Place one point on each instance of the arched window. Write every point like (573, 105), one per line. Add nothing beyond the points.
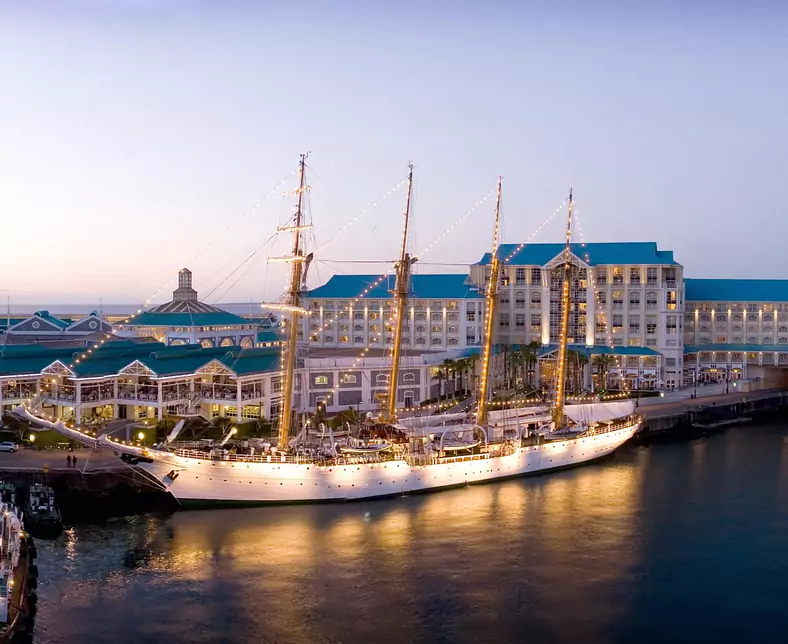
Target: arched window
(382, 378)
(226, 342)
(321, 380)
(408, 377)
(349, 379)
(246, 343)
(207, 343)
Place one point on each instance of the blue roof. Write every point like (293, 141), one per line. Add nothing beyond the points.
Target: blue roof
(593, 254)
(602, 350)
(440, 286)
(748, 348)
(736, 290)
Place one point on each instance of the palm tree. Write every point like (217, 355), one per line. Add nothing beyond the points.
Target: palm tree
(576, 360)
(528, 355)
(602, 363)
(440, 376)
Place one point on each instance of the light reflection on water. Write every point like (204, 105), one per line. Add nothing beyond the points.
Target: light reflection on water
(627, 549)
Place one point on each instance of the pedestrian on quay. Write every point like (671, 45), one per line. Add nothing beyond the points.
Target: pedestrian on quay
(68, 460)
(74, 461)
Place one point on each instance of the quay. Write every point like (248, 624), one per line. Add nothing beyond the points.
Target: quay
(682, 415)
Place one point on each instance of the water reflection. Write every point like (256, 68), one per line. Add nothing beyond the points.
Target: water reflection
(552, 558)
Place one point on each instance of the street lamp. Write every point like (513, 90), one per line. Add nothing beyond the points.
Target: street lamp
(141, 435)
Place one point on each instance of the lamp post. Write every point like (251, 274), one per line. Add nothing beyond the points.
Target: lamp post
(695, 383)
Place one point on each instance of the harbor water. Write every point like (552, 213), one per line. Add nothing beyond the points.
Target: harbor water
(681, 541)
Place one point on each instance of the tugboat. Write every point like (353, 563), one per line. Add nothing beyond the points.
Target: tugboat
(42, 515)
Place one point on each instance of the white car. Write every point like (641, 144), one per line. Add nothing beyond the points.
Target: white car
(8, 446)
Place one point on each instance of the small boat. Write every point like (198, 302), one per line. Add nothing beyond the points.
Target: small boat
(7, 492)
(42, 515)
(18, 573)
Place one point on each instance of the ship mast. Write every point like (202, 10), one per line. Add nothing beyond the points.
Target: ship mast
(294, 296)
(558, 409)
(492, 295)
(401, 297)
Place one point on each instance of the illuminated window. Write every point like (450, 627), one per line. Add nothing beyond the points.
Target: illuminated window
(321, 380)
(349, 379)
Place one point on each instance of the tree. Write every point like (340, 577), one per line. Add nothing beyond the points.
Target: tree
(602, 363)
(528, 355)
(450, 367)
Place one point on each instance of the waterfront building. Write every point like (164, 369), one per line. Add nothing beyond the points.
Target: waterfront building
(44, 328)
(134, 380)
(628, 295)
(186, 320)
(734, 329)
(445, 312)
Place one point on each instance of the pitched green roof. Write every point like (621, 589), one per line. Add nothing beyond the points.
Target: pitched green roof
(269, 336)
(152, 318)
(603, 350)
(596, 253)
(246, 361)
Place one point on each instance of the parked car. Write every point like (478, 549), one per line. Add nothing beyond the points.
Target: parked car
(8, 446)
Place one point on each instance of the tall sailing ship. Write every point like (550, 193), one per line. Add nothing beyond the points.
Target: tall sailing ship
(390, 456)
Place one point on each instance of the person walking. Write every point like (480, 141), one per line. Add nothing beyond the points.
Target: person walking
(74, 461)
(68, 460)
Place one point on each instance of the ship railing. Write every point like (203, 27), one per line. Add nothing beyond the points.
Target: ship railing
(280, 458)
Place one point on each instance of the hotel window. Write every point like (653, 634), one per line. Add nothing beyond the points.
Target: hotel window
(519, 276)
(452, 329)
(382, 378)
(470, 336)
(321, 380)
(436, 340)
(420, 340)
(344, 327)
(504, 320)
(504, 278)
(519, 299)
(634, 300)
(374, 315)
(437, 317)
(651, 342)
(670, 325)
(736, 318)
(389, 340)
(375, 340)
(437, 304)
(601, 276)
(634, 324)
(752, 308)
(453, 317)
(752, 327)
(736, 339)
(767, 339)
(436, 328)
(783, 329)
(651, 275)
(651, 324)
(752, 339)
(536, 321)
(672, 300)
(736, 328)
(503, 298)
(721, 318)
(374, 327)
(344, 338)
(618, 322)
(405, 340)
(519, 321)
(705, 340)
(328, 304)
(536, 297)
(421, 329)
(782, 341)
(452, 305)
(328, 338)
(358, 327)
(358, 315)
(720, 339)
(387, 304)
(651, 300)
(348, 379)
(618, 275)
(358, 339)
(408, 377)
(601, 298)
(752, 317)
(601, 325)
(470, 316)
(634, 275)
(618, 300)
(536, 276)
(633, 342)
(453, 341)
(405, 328)
(421, 317)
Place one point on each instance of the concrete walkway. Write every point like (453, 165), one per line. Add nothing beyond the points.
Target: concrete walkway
(29, 460)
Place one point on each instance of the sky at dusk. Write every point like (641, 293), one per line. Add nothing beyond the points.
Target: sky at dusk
(136, 134)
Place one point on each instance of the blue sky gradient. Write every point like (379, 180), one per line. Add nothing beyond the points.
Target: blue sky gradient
(134, 133)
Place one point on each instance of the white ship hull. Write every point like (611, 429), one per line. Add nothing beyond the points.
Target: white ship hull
(206, 482)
